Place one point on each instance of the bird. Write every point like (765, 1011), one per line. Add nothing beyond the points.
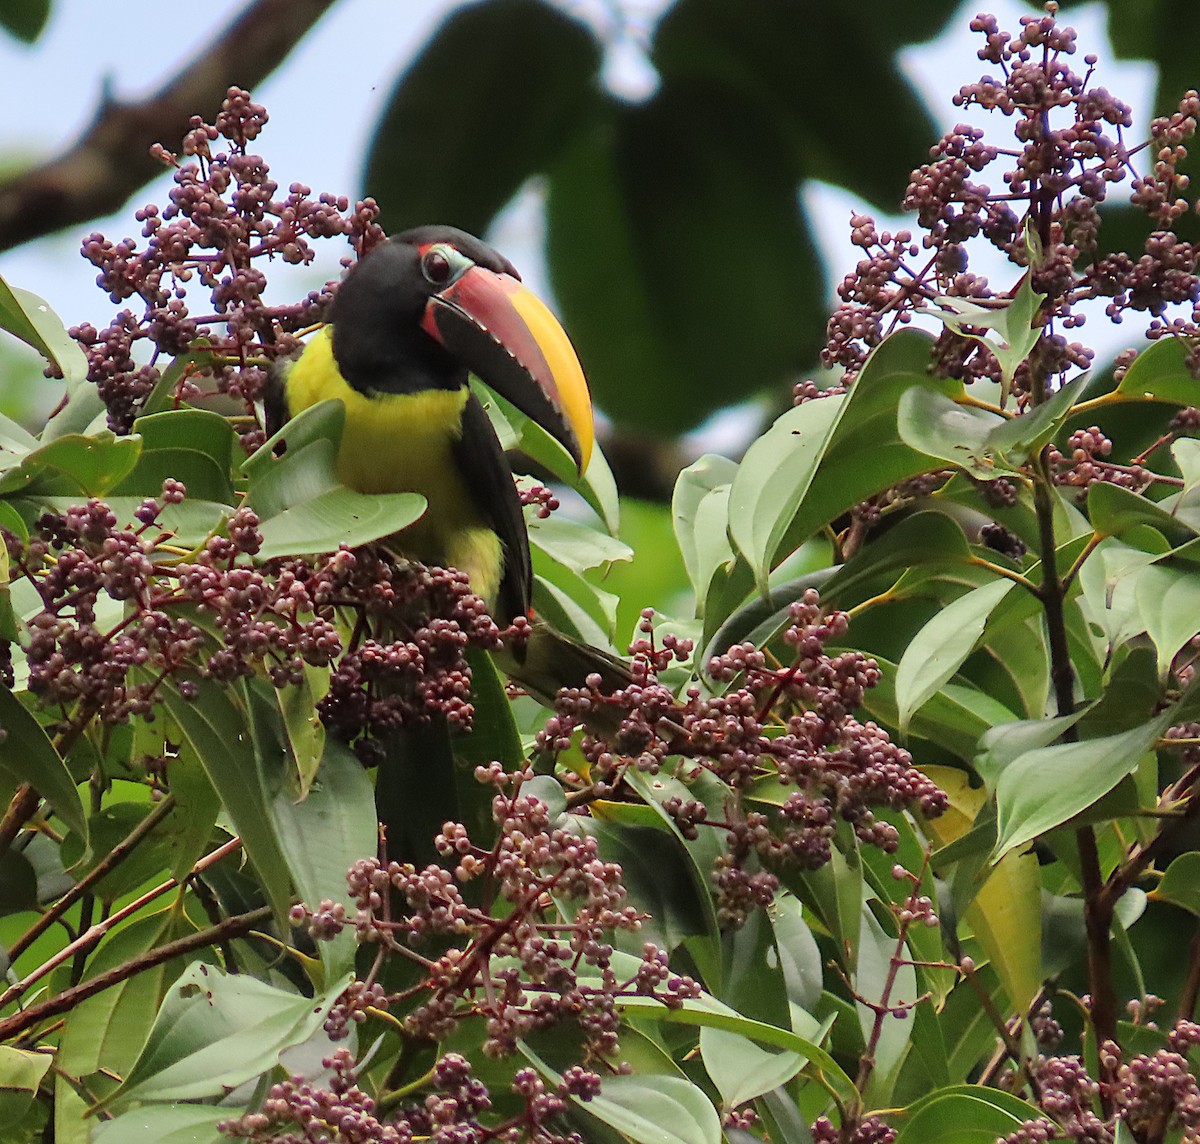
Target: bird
(410, 322)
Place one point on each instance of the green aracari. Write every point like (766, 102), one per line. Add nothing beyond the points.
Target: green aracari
(409, 323)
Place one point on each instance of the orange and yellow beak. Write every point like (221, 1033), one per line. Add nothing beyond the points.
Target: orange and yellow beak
(508, 337)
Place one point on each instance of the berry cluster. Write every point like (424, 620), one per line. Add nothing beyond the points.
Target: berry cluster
(407, 663)
(539, 496)
(222, 617)
(1070, 151)
(225, 218)
(870, 1130)
(1151, 1096)
(80, 658)
(297, 1111)
(521, 966)
(1087, 463)
(793, 724)
(307, 1111)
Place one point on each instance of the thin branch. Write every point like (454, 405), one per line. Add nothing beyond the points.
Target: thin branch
(21, 809)
(69, 998)
(112, 859)
(111, 158)
(93, 934)
(1191, 983)
(1006, 1031)
(1005, 573)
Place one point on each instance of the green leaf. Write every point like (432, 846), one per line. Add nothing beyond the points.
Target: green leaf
(28, 317)
(657, 874)
(197, 806)
(1108, 580)
(968, 1031)
(835, 894)
(967, 1115)
(1021, 652)
(15, 442)
(1180, 885)
(199, 430)
(18, 883)
(1005, 743)
(922, 539)
(752, 979)
(1113, 511)
(867, 454)
(598, 487)
(707, 1012)
(760, 619)
(496, 92)
(203, 478)
(1003, 905)
(217, 1030)
(335, 517)
(573, 606)
(301, 724)
(700, 512)
(73, 465)
(702, 851)
(799, 954)
(782, 1119)
(757, 52)
(589, 611)
(166, 1124)
(28, 756)
(940, 647)
(109, 1029)
(577, 546)
(324, 834)
(84, 413)
(1160, 373)
(21, 1073)
(648, 1110)
(741, 1070)
(1020, 438)
(774, 477)
(1168, 601)
(216, 726)
(303, 508)
(106, 829)
(1009, 330)
(933, 424)
(954, 717)
(522, 436)
(1047, 786)
(1185, 452)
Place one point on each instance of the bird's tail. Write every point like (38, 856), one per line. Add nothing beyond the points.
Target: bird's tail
(550, 660)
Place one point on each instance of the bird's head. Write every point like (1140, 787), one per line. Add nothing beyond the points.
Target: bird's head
(426, 307)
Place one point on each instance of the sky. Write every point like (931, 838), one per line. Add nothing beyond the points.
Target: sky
(130, 48)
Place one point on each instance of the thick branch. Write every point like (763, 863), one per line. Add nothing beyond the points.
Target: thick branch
(111, 159)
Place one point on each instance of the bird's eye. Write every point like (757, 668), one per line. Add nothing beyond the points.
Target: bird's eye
(437, 266)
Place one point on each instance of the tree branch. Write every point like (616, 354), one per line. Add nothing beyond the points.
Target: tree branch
(69, 998)
(111, 159)
(109, 862)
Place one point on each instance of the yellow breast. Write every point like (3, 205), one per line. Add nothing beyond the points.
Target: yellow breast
(403, 442)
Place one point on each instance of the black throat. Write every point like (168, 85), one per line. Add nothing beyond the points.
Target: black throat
(376, 316)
